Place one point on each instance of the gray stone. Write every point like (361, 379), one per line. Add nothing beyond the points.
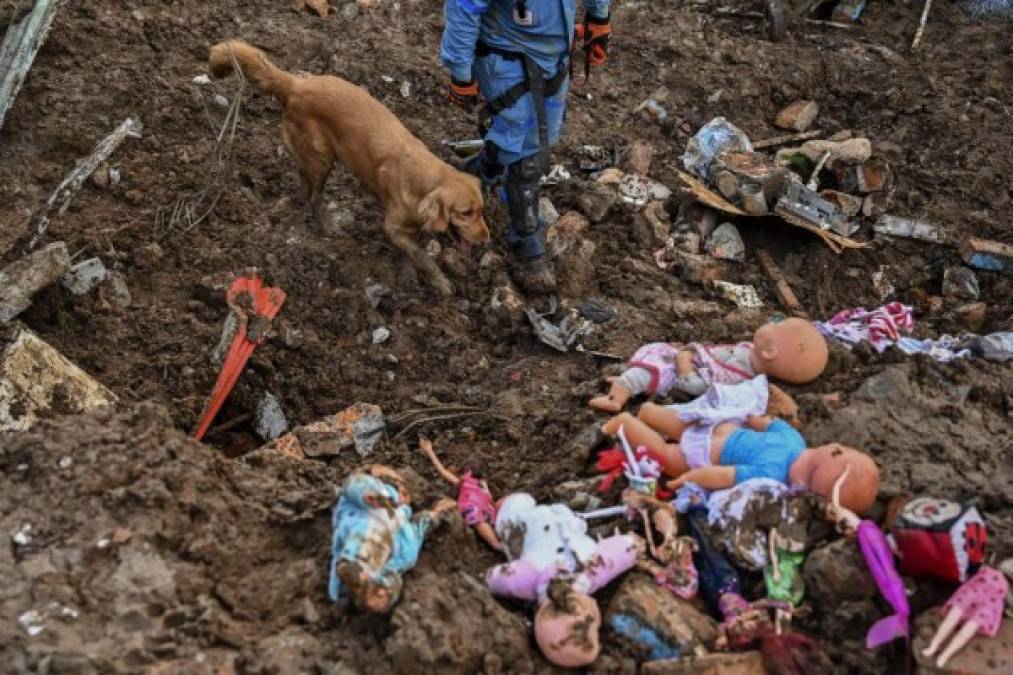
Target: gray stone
(837, 573)
(115, 292)
(84, 276)
(269, 421)
(961, 283)
(381, 335)
(547, 213)
(25, 277)
(595, 203)
(889, 386)
(725, 243)
(656, 624)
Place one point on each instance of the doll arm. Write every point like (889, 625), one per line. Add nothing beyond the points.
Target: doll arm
(684, 362)
(426, 446)
(759, 422)
(707, 477)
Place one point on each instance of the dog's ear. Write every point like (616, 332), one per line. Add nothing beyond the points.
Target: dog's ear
(432, 212)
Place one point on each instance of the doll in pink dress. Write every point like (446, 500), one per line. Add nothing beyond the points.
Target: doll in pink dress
(978, 604)
(474, 500)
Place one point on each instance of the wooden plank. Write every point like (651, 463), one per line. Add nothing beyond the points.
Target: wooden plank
(21, 43)
(707, 197)
(782, 289)
(987, 255)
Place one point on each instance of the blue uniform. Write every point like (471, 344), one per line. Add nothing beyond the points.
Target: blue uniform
(547, 40)
(763, 454)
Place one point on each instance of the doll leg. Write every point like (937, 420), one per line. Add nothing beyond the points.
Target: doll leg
(614, 401)
(958, 642)
(639, 433)
(943, 632)
(663, 419)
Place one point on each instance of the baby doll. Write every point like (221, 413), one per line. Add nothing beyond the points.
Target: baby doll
(474, 501)
(553, 561)
(792, 350)
(718, 456)
(375, 539)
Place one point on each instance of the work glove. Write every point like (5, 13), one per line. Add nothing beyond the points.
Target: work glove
(595, 35)
(463, 94)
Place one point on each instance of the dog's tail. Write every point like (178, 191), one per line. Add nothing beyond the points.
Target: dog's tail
(255, 65)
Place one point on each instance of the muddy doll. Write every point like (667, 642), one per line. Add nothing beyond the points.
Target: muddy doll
(553, 562)
(791, 351)
(717, 454)
(676, 572)
(976, 607)
(474, 500)
(375, 538)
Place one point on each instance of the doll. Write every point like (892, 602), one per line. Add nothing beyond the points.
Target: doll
(375, 538)
(474, 500)
(553, 562)
(717, 454)
(791, 350)
(676, 572)
(978, 604)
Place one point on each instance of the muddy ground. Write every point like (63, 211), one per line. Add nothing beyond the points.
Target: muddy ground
(226, 558)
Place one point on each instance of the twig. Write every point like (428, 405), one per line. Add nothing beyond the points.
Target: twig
(921, 24)
(21, 43)
(831, 24)
(782, 289)
(790, 138)
(732, 11)
(434, 409)
(65, 191)
(814, 178)
(438, 418)
(225, 426)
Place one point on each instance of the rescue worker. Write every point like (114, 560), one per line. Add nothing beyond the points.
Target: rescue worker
(516, 54)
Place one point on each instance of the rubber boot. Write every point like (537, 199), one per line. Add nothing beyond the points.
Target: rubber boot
(530, 269)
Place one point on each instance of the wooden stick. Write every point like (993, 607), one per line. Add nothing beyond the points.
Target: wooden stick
(781, 287)
(814, 178)
(921, 24)
(65, 191)
(790, 138)
(831, 24)
(20, 45)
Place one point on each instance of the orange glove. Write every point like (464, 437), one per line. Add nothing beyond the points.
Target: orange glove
(595, 33)
(463, 94)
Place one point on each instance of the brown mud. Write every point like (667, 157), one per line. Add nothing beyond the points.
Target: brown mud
(225, 560)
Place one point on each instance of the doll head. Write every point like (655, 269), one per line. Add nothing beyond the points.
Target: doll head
(791, 351)
(474, 466)
(567, 625)
(817, 470)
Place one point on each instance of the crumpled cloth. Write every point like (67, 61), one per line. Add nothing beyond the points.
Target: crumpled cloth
(720, 403)
(943, 349)
(881, 327)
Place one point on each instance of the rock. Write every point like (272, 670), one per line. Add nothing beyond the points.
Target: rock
(638, 158)
(686, 240)
(982, 656)
(744, 297)
(799, 116)
(891, 386)
(836, 573)
(973, 315)
(749, 170)
(881, 283)
(350, 11)
(269, 421)
(725, 243)
(703, 218)
(36, 381)
(851, 151)
(849, 205)
(25, 277)
(547, 213)
(595, 204)
(657, 218)
(84, 276)
(433, 248)
(873, 176)
(727, 184)
(698, 269)
(376, 292)
(746, 663)
(115, 294)
(695, 309)
(381, 335)
(610, 176)
(507, 302)
(565, 233)
(658, 625)
(450, 624)
(960, 283)
(360, 426)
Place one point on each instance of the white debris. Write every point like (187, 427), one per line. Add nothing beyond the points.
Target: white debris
(202, 80)
(221, 101)
(381, 335)
(65, 462)
(745, 297)
(32, 622)
(557, 174)
(406, 89)
(84, 276)
(22, 537)
(270, 421)
(387, 78)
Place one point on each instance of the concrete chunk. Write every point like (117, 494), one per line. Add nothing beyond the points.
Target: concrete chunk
(23, 278)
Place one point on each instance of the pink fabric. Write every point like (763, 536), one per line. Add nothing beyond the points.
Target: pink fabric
(474, 501)
(715, 372)
(661, 356)
(522, 580)
(981, 598)
(882, 326)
